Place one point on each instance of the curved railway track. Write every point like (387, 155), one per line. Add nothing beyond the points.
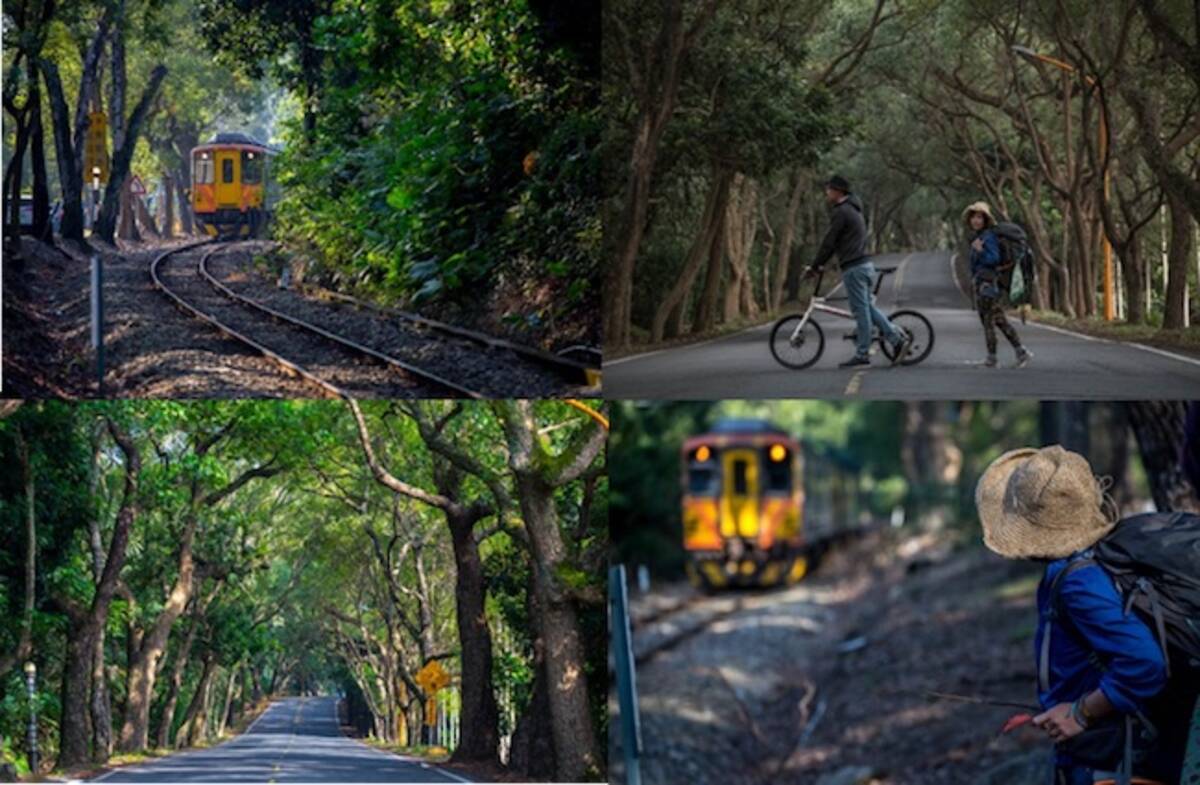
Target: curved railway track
(340, 356)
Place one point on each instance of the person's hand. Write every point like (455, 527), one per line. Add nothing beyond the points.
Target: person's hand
(977, 244)
(1058, 723)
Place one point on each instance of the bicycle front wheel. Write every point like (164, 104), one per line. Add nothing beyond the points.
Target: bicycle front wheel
(916, 325)
(796, 348)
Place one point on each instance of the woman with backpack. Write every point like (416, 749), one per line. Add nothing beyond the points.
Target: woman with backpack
(986, 279)
(1101, 669)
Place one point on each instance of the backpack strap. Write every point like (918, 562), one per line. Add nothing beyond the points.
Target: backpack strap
(1053, 613)
(1143, 585)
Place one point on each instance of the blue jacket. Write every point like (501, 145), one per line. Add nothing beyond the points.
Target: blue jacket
(989, 257)
(1131, 667)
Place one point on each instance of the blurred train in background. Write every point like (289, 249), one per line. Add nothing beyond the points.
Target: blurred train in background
(743, 505)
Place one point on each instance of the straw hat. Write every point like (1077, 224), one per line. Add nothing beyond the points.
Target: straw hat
(979, 207)
(1041, 504)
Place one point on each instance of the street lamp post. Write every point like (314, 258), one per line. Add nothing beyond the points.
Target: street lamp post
(31, 686)
(1029, 54)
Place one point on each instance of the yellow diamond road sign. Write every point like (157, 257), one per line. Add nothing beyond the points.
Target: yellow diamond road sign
(95, 149)
(432, 678)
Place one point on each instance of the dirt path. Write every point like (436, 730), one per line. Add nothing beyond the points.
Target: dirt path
(856, 646)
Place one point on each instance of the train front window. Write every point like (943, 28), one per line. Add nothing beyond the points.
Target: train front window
(702, 481)
(740, 485)
(779, 469)
(252, 167)
(227, 170)
(202, 168)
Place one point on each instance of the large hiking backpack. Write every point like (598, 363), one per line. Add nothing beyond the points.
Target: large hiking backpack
(1154, 560)
(1016, 262)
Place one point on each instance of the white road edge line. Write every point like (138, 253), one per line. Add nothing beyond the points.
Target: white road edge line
(438, 769)
(1097, 339)
(1094, 338)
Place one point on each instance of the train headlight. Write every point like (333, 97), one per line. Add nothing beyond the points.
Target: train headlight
(703, 453)
(778, 452)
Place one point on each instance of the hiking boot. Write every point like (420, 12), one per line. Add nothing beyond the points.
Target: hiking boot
(990, 362)
(1023, 357)
(903, 347)
(855, 362)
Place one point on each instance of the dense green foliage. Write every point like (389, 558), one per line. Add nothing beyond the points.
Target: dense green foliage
(443, 154)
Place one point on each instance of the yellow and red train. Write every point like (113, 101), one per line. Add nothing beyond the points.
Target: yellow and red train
(231, 186)
(743, 502)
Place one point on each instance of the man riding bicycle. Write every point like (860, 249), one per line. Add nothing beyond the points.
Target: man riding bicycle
(847, 236)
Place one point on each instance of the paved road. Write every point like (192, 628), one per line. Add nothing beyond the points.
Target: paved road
(295, 740)
(1065, 365)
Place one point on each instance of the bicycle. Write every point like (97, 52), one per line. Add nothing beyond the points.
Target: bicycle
(795, 334)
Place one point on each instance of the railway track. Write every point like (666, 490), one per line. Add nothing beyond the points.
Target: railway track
(343, 357)
(690, 614)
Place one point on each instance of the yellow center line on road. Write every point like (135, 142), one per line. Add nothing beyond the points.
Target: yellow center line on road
(854, 383)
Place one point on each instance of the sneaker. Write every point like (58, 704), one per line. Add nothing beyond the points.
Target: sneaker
(990, 362)
(1023, 357)
(855, 362)
(903, 347)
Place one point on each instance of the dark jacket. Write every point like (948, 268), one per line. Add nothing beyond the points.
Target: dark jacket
(987, 259)
(847, 235)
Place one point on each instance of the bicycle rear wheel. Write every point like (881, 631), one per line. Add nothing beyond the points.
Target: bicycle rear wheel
(796, 351)
(916, 325)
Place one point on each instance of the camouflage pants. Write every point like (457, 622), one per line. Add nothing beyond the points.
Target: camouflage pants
(991, 313)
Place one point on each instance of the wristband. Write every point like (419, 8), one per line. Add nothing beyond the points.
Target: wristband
(1079, 714)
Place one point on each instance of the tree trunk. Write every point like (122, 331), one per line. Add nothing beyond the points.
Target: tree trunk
(178, 668)
(1159, 428)
(787, 235)
(480, 717)
(75, 730)
(1135, 278)
(706, 315)
(230, 694)
(668, 316)
(1180, 261)
(532, 752)
(576, 754)
(106, 224)
(632, 223)
(741, 229)
(75, 733)
(196, 716)
(143, 670)
(37, 140)
(69, 177)
(101, 705)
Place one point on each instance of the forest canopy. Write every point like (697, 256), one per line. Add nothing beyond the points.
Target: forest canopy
(726, 116)
(169, 567)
